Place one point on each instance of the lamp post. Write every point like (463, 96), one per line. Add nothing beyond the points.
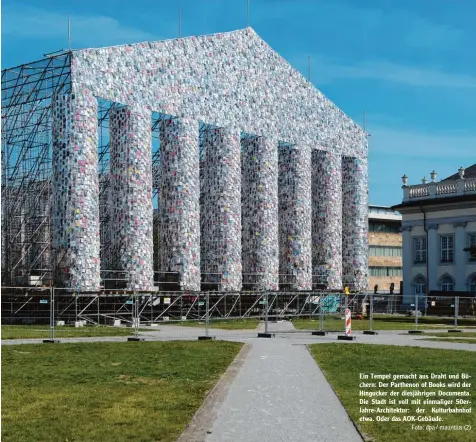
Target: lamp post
(207, 319)
(266, 333)
(135, 318)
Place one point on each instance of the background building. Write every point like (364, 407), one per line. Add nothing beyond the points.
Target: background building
(385, 249)
(439, 223)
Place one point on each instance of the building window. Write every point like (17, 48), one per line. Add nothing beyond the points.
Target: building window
(446, 246)
(472, 245)
(394, 271)
(419, 250)
(385, 271)
(420, 285)
(385, 251)
(472, 283)
(447, 283)
(375, 226)
(378, 271)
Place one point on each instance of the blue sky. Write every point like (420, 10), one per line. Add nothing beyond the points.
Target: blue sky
(411, 65)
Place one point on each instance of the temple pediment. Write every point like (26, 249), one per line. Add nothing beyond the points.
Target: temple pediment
(230, 79)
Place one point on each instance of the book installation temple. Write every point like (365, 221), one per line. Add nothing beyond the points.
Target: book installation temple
(260, 179)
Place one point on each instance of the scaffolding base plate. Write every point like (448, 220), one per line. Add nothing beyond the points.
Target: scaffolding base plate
(345, 338)
(415, 332)
(265, 335)
(454, 330)
(319, 333)
(135, 339)
(50, 341)
(370, 332)
(205, 338)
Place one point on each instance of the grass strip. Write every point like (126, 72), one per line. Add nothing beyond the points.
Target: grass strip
(43, 331)
(453, 335)
(380, 322)
(460, 341)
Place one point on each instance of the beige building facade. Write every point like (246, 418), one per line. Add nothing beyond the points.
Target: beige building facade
(385, 249)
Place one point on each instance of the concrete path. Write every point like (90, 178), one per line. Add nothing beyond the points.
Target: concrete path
(280, 394)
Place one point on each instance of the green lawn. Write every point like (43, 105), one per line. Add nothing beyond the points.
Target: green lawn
(342, 365)
(43, 331)
(224, 324)
(381, 322)
(461, 337)
(104, 392)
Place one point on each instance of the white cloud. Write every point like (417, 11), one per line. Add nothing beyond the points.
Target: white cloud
(414, 76)
(410, 144)
(326, 70)
(396, 151)
(426, 34)
(23, 21)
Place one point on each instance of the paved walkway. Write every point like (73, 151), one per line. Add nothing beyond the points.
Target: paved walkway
(279, 393)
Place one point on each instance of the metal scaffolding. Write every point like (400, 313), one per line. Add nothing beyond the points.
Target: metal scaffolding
(27, 92)
(26, 170)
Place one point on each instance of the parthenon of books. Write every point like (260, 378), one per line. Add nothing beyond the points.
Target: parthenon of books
(209, 157)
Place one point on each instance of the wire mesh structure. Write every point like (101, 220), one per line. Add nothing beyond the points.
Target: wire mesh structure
(27, 93)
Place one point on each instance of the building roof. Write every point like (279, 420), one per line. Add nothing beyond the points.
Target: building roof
(469, 172)
(435, 201)
(384, 213)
